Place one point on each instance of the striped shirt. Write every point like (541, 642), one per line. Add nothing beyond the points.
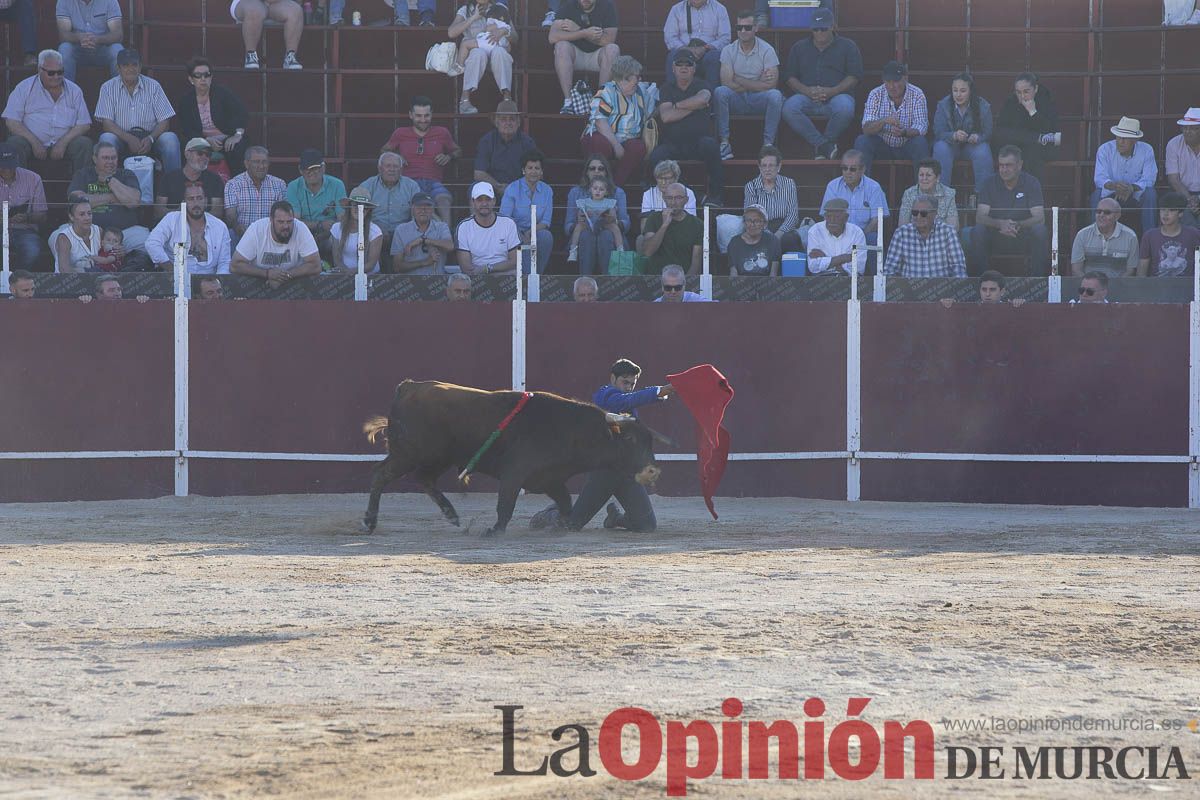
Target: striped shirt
(145, 108)
(780, 203)
(709, 23)
(250, 202)
(940, 255)
(912, 112)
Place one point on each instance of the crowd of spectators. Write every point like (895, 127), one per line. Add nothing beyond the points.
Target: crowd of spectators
(241, 218)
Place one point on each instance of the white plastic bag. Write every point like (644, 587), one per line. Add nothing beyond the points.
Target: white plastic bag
(143, 168)
(440, 57)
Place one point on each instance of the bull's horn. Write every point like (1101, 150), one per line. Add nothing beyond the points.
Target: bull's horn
(660, 438)
(618, 419)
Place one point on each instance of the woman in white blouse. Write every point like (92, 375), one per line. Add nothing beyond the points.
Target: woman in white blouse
(76, 243)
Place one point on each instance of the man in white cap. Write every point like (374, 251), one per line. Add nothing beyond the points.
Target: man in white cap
(1183, 164)
(487, 243)
(1126, 171)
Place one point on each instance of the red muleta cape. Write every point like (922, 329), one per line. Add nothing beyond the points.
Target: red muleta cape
(706, 393)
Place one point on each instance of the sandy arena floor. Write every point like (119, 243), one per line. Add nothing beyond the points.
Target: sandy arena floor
(251, 647)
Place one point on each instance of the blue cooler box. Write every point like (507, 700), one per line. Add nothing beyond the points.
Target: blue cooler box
(794, 265)
(792, 13)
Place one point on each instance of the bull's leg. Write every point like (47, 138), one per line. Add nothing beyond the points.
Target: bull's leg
(562, 499)
(506, 501)
(428, 478)
(385, 472)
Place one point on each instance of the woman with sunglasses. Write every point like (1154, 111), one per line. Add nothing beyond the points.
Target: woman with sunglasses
(596, 244)
(212, 112)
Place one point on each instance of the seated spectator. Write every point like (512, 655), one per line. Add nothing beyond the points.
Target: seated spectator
(756, 251)
(458, 288)
(47, 117)
(1183, 164)
(251, 14)
(495, 34)
(1010, 217)
(516, 204)
(421, 245)
(749, 83)
(135, 113)
(1093, 289)
(822, 71)
(702, 30)
(597, 240)
(1106, 246)
(925, 247)
(673, 290)
(863, 195)
(895, 120)
(1126, 170)
(114, 194)
(992, 290)
(317, 199)
(666, 172)
(112, 251)
(210, 111)
(108, 287)
(776, 194)
(498, 156)
(195, 170)
(426, 149)
(470, 21)
(400, 13)
(672, 236)
(21, 285)
(832, 243)
(89, 34)
(76, 243)
(1029, 121)
(614, 129)
(206, 237)
(345, 236)
(584, 37)
(928, 173)
(392, 193)
(1170, 249)
(276, 249)
(249, 196)
(26, 198)
(211, 288)
(21, 12)
(962, 128)
(487, 243)
(685, 132)
(585, 289)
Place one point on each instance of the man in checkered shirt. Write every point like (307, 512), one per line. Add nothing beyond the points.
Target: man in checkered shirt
(895, 120)
(925, 247)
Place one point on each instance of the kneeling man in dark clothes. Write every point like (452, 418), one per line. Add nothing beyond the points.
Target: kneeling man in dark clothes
(620, 396)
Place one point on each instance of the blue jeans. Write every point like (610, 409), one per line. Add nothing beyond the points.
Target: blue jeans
(980, 156)
(839, 111)
(552, 5)
(708, 69)
(425, 9)
(166, 147)
(74, 56)
(1033, 243)
(873, 147)
(768, 103)
(24, 248)
(1147, 207)
(545, 243)
(22, 12)
(595, 251)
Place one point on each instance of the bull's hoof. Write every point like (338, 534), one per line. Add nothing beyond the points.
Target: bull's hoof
(368, 525)
(454, 520)
(492, 532)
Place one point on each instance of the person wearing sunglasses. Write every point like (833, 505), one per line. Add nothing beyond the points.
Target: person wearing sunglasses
(210, 111)
(822, 71)
(863, 195)
(686, 131)
(1092, 289)
(749, 83)
(673, 289)
(426, 149)
(46, 116)
(926, 247)
(1105, 246)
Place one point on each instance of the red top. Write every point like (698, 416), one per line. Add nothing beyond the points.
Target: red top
(419, 151)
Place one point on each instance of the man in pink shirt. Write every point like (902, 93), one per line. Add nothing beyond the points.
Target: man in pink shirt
(426, 149)
(1183, 164)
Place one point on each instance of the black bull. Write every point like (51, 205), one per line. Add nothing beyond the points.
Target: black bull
(434, 426)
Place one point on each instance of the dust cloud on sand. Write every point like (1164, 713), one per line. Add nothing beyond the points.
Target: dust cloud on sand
(249, 647)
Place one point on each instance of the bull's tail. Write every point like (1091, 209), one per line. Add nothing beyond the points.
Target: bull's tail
(376, 428)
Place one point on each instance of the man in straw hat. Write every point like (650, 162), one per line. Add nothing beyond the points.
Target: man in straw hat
(1126, 171)
(1183, 164)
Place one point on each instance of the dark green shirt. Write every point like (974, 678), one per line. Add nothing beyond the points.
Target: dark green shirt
(677, 244)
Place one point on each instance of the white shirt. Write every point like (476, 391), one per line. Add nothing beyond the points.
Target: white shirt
(260, 248)
(491, 245)
(160, 245)
(652, 200)
(350, 252)
(819, 238)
